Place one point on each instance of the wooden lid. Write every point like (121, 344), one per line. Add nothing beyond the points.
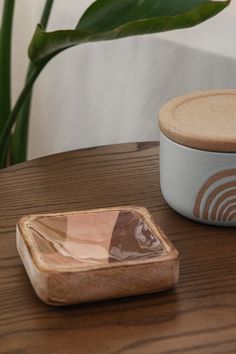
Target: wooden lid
(203, 120)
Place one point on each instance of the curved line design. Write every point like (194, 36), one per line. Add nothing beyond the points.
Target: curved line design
(220, 200)
(232, 216)
(213, 194)
(213, 199)
(224, 208)
(228, 211)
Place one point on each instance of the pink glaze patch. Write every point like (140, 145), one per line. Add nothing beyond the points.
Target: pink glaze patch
(93, 238)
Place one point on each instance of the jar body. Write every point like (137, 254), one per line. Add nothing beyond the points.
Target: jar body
(199, 184)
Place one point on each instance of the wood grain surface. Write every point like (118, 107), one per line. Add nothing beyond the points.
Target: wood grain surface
(198, 316)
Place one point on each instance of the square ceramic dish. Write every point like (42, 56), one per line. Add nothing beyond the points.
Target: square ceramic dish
(95, 255)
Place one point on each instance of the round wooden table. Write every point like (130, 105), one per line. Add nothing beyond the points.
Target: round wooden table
(198, 316)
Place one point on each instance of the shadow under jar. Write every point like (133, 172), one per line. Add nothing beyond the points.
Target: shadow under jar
(198, 156)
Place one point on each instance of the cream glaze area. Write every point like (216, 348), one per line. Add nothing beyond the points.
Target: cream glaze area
(93, 238)
(204, 120)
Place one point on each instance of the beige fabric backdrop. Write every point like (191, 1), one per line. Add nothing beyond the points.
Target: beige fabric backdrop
(111, 92)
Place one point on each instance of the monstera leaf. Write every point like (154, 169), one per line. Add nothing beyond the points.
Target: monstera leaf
(112, 19)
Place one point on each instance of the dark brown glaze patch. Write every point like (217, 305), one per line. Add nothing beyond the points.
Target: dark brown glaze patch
(133, 239)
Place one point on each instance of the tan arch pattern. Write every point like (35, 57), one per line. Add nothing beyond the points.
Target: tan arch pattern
(213, 194)
(220, 200)
(228, 211)
(213, 179)
(224, 207)
(232, 216)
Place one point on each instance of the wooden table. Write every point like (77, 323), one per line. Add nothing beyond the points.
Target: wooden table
(199, 316)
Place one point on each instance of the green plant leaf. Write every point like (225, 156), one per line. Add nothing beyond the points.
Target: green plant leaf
(19, 142)
(106, 15)
(5, 60)
(112, 19)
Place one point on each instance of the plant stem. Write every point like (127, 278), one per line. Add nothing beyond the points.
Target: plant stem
(6, 131)
(19, 142)
(5, 60)
(46, 13)
(4, 153)
(20, 136)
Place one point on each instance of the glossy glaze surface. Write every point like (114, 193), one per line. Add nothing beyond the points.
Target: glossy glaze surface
(92, 238)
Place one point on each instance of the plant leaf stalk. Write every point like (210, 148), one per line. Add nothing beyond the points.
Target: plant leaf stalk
(19, 146)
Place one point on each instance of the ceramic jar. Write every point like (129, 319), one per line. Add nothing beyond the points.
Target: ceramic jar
(198, 156)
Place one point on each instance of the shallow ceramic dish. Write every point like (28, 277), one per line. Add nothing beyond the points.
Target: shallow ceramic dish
(198, 156)
(95, 254)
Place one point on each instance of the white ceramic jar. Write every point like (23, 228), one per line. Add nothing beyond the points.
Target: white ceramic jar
(198, 156)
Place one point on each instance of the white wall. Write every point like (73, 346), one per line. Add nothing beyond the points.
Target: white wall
(111, 92)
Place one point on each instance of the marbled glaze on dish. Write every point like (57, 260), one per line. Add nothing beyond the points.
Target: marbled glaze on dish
(97, 254)
(93, 238)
